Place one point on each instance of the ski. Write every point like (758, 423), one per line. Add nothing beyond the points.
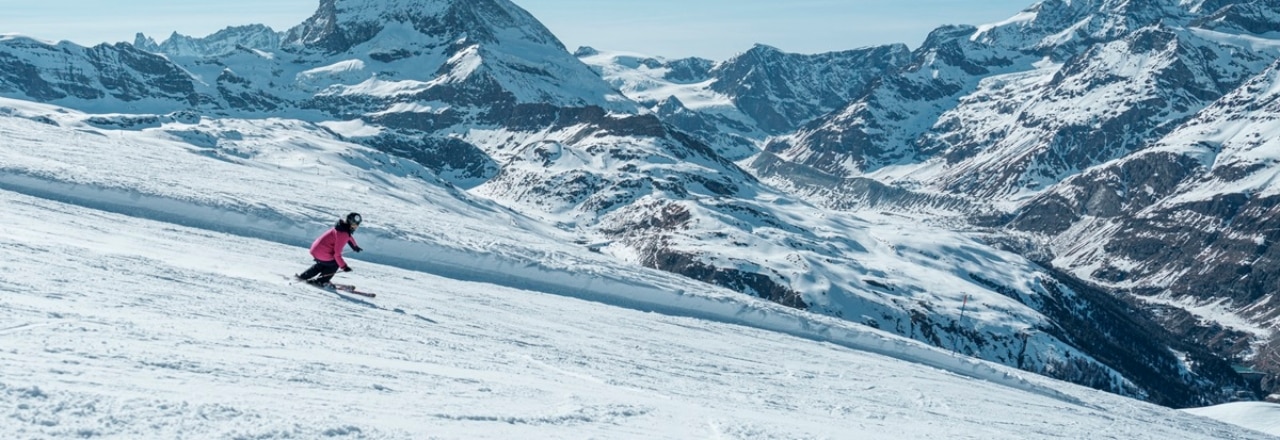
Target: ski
(334, 287)
(344, 288)
(352, 289)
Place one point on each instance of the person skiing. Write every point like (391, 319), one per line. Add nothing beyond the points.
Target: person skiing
(327, 251)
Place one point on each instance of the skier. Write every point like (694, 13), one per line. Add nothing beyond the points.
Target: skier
(327, 251)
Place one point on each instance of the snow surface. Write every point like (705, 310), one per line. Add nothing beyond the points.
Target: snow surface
(1263, 417)
(628, 72)
(145, 297)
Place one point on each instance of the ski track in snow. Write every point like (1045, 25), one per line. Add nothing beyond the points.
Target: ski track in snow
(125, 327)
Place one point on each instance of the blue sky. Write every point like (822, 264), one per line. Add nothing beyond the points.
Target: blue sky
(715, 29)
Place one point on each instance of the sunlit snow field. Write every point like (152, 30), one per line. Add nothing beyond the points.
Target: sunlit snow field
(141, 310)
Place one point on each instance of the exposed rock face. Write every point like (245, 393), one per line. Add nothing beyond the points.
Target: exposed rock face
(66, 72)
(781, 91)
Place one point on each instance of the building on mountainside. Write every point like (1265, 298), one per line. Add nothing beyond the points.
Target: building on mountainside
(1253, 377)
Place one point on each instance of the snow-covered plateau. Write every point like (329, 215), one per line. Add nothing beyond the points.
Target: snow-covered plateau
(145, 295)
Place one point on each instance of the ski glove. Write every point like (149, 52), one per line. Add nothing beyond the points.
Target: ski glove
(356, 248)
(346, 268)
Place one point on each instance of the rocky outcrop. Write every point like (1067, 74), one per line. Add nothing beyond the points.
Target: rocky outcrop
(220, 43)
(781, 91)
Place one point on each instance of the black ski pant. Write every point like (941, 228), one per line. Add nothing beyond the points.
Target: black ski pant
(325, 270)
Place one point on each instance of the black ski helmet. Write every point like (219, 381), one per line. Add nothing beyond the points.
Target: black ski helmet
(353, 219)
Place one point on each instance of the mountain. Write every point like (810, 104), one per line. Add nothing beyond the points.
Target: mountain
(1052, 130)
(1216, 170)
(1066, 131)
(478, 98)
(144, 304)
(781, 91)
(736, 104)
(1089, 110)
(105, 77)
(223, 42)
(1115, 168)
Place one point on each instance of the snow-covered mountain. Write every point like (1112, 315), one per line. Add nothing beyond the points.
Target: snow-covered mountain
(475, 105)
(144, 304)
(221, 43)
(1082, 132)
(1203, 193)
(737, 104)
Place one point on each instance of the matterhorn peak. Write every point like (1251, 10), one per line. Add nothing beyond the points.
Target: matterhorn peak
(339, 25)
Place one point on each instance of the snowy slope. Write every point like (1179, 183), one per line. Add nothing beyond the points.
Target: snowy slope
(454, 102)
(1264, 417)
(128, 324)
(943, 288)
(264, 178)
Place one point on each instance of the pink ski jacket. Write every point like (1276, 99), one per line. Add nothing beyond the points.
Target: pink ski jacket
(328, 247)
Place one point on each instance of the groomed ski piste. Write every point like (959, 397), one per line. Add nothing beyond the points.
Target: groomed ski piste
(144, 297)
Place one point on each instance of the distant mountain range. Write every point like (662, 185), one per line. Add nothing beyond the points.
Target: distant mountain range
(1128, 143)
(1082, 191)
